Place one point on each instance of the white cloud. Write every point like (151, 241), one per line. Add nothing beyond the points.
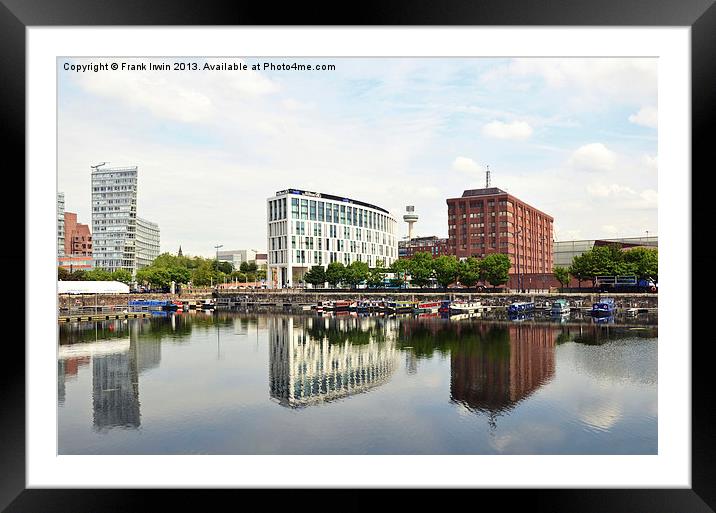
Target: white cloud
(650, 162)
(611, 190)
(517, 130)
(593, 157)
(647, 116)
(292, 104)
(465, 164)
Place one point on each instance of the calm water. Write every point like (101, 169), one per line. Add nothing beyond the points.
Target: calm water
(198, 383)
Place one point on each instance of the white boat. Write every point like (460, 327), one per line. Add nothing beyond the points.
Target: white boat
(560, 306)
(464, 307)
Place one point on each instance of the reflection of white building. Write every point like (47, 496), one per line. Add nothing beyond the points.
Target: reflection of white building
(305, 370)
(312, 228)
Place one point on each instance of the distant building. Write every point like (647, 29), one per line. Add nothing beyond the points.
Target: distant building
(433, 245)
(489, 220)
(78, 239)
(60, 224)
(565, 251)
(119, 239)
(236, 257)
(261, 260)
(147, 242)
(76, 263)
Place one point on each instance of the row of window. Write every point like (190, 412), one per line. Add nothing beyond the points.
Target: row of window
(315, 210)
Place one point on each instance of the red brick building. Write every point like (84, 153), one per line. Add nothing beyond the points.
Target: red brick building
(78, 239)
(484, 221)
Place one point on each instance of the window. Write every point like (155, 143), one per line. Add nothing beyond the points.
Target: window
(312, 210)
(294, 208)
(320, 211)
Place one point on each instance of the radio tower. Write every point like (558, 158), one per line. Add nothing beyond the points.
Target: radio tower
(411, 218)
(487, 178)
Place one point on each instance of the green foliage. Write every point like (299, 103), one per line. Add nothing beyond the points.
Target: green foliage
(247, 267)
(447, 269)
(495, 268)
(562, 275)
(399, 268)
(122, 275)
(63, 274)
(335, 273)
(421, 268)
(316, 276)
(469, 272)
(225, 267)
(612, 261)
(376, 275)
(98, 274)
(356, 273)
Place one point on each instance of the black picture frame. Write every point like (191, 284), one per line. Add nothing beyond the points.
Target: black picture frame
(700, 15)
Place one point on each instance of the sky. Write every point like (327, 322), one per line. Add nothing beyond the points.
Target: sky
(573, 137)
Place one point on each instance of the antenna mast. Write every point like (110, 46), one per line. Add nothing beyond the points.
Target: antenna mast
(487, 178)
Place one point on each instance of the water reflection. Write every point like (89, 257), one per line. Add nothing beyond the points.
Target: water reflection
(465, 384)
(315, 360)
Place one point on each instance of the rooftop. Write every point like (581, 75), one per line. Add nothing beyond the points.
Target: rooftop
(482, 192)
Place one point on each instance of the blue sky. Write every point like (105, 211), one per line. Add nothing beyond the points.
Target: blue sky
(576, 138)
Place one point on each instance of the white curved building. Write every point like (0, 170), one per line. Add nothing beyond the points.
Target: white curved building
(311, 228)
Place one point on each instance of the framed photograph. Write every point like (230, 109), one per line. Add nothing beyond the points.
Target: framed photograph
(419, 253)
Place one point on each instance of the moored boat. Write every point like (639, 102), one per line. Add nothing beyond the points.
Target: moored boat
(520, 307)
(427, 307)
(341, 306)
(604, 307)
(560, 306)
(399, 306)
(464, 307)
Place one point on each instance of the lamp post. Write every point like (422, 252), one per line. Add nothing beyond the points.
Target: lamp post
(217, 265)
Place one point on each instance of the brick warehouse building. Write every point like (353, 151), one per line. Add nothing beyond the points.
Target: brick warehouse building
(433, 245)
(489, 220)
(78, 239)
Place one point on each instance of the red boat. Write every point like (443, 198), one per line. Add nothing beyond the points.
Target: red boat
(430, 306)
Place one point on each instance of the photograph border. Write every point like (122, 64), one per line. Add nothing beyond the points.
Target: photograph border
(700, 15)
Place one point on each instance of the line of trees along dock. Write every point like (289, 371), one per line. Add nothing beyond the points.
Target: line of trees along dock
(420, 270)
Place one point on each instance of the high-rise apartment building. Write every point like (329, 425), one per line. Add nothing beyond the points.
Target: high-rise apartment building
(490, 220)
(117, 234)
(60, 224)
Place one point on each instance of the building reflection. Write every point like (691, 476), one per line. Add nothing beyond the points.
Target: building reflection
(118, 352)
(510, 364)
(315, 360)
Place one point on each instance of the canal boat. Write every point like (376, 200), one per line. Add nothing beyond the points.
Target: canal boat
(444, 306)
(151, 304)
(427, 307)
(340, 306)
(399, 307)
(604, 307)
(207, 304)
(632, 311)
(464, 307)
(560, 306)
(521, 307)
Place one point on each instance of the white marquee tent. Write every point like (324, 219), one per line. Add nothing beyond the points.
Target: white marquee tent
(92, 287)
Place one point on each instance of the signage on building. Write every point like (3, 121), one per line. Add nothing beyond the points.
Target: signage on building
(299, 193)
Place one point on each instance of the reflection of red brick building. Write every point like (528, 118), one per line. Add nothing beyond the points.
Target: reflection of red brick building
(78, 239)
(494, 380)
(490, 220)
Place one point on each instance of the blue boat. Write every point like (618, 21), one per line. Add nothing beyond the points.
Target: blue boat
(152, 304)
(520, 307)
(604, 307)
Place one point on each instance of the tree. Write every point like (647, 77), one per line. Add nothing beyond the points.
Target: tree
(399, 268)
(335, 273)
(447, 269)
(79, 275)
(469, 272)
(562, 275)
(122, 275)
(644, 262)
(225, 267)
(98, 274)
(356, 273)
(376, 275)
(179, 274)
(316, 276)
(63, 274)
(421, 268)
(496, 268)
